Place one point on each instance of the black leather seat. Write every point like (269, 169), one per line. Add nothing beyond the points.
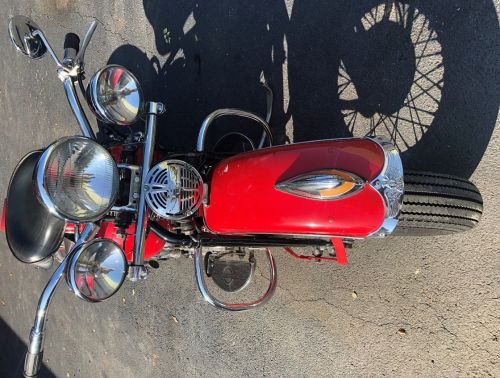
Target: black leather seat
(32, 232)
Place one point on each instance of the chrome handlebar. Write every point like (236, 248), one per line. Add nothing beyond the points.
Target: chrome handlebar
(76, 107)
(86, 40)
(34, 355)
(68, 72)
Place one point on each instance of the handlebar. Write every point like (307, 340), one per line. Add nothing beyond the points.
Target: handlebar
(34, 355)
(71, 48)
(70, 70)
(86, 40)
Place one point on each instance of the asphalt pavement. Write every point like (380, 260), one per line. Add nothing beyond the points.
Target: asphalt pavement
(424, 75)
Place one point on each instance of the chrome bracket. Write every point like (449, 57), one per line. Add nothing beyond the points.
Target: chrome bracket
(135, 188)
(390, 185)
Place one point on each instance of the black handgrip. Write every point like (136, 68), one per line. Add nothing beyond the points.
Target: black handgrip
(72, 41)
(71, 46)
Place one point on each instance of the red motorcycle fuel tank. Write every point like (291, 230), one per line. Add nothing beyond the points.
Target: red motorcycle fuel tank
(243, 198)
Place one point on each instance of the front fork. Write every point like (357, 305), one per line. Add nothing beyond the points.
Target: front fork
(137, 269)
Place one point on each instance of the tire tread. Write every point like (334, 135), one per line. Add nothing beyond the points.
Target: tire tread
(435, 204)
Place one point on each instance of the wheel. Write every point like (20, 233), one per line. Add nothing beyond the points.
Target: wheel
(437, 204)
(397, 69)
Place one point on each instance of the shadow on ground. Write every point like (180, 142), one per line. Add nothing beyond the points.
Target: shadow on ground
(422, 74)
(12, 354)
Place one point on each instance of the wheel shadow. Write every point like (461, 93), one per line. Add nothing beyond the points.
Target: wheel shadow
(421, 74)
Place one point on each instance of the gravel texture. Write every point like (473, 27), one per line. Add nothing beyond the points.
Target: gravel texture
(402, 307)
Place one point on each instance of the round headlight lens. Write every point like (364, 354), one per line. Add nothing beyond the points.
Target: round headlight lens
(97, 270)
(77, 179)
(115, 95)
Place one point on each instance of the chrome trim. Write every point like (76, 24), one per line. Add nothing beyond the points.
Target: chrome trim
(177, 183)
(390, 185)
(207, 296)
(39, 33)
(137, 270)
(21, 33)
(200, 145)
(328, 178)
(68, 74)
(76, 107)
(33, 359)
(96, 107)
(39, 181)
(86, 40)
(269, 104)
(71, 269)
(317, 141)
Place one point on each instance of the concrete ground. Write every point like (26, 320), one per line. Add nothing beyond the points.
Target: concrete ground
(402, 307)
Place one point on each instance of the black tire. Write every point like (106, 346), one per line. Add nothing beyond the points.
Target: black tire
(437, 204)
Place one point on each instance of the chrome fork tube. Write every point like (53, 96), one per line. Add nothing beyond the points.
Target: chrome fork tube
(76, 107)
(137, 270)
(34, 355)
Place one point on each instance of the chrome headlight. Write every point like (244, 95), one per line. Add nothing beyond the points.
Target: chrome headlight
(96, 270)
(77, 179)
(115, 96)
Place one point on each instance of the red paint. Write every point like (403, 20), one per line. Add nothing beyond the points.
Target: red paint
(116, 152)
(340, 254)
(243, 200)
(4, 211)
(152, 246)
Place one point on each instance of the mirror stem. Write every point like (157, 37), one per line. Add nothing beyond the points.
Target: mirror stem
(39, 33)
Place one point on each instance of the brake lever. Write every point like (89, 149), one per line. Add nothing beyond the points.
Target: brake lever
(86, 40)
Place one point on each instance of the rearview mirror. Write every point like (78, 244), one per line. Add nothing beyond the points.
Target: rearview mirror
(21, 31)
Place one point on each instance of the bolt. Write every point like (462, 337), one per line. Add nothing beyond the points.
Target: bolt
(317, 252)
(160, 108)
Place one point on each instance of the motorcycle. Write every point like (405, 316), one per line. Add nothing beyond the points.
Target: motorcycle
(111, 210)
